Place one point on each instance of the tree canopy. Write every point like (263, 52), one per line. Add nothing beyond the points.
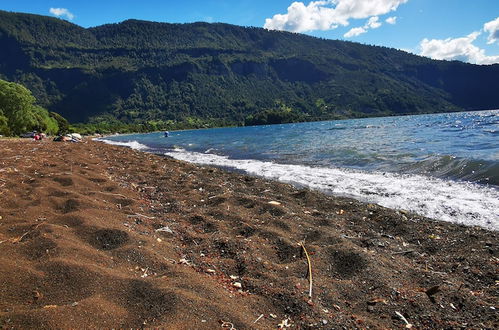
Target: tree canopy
(19, 113)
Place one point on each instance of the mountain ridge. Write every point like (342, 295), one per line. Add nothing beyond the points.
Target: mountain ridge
(139, 71)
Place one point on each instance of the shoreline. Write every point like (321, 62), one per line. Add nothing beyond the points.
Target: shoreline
(96, 235)
(466, 203)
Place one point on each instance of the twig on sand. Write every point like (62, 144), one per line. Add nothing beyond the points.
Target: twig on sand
(20, 238)
(108, 193)
(404, 252)
(407, 324)
(309, 269)
(258, 319)
(140, 215)
(59, 173)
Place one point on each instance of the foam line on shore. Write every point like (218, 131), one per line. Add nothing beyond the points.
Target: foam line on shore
(459, 202)
(131, 144)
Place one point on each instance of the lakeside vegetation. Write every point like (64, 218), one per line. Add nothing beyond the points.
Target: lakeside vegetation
(20, 114)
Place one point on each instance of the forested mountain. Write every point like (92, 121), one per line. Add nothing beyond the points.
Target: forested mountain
(138, 71)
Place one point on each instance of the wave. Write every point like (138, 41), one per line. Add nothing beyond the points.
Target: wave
(449, 167)
(459, 202)
(131, 144)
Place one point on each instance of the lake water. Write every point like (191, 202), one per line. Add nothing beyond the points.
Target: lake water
(443, 166)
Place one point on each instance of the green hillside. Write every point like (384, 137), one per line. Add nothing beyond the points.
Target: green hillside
(201, 73)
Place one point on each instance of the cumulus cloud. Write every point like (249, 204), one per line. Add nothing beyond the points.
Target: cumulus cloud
(456, 49)
(62, 12)
(391, 20)
(492, 28)
(372, 23)
(355, 32)
(329, 14)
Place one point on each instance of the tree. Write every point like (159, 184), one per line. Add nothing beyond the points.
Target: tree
(4, 124)
(61, 122)
(18, 112)
(16, 103)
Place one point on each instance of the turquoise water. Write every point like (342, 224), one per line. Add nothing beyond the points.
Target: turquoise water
(444, 166)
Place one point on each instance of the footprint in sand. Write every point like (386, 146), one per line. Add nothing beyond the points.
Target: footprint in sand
(69, 220)
(40, 248)
(108, 239)
(97, 180)
(64, 181)
(70, 205)
(347, 264)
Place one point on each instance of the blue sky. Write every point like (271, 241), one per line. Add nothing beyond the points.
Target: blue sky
(445, 29)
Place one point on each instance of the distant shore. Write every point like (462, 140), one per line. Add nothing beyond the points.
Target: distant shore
(94, 235)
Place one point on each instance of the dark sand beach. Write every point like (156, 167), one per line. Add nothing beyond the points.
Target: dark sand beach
(99, 236)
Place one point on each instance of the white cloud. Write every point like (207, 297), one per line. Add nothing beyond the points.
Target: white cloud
(456, 49)
(329, 14)
(492, 28)
(391, 20)
(62, 12)
(373, 23)
(355, 32)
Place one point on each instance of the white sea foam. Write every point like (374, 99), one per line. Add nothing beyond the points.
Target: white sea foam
(457, 202)
(131, 144)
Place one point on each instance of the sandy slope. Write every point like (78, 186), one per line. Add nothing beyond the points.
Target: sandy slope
(80, 248)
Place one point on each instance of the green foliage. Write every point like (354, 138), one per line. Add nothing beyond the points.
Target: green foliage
(19, 114)
(16, 104)
(279, 114)
(139, 75)
(4, 124)
(108, 125)
(62, 123)
(44, 122)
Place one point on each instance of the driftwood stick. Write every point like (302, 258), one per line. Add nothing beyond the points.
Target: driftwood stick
(309, 269)
(258, 319)
(108, 193)
(404, 252)
(407, 324)
(20, 238)
(139, 215)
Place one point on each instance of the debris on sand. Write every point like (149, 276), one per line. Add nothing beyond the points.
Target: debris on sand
(165, 229)
(189, 246)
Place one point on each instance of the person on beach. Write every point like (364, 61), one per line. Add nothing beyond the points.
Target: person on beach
(39, 136)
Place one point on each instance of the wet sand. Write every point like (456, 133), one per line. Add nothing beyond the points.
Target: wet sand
(99, 236)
